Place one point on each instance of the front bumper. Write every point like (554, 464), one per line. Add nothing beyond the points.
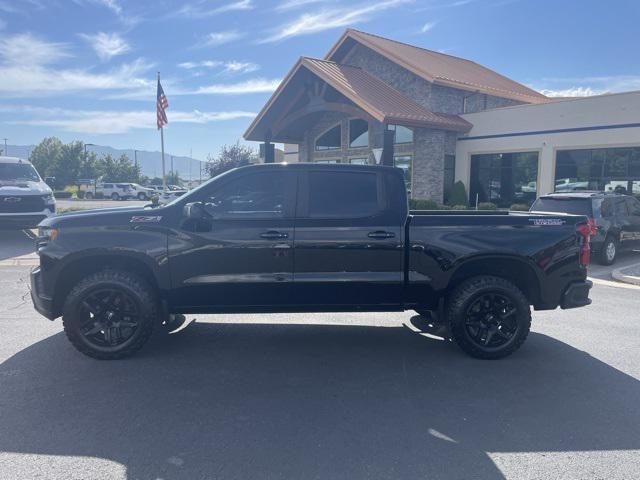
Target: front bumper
(577, 295)
(41, 302)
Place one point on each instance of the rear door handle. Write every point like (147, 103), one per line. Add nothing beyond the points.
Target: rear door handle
(274, 235)
(381, 234)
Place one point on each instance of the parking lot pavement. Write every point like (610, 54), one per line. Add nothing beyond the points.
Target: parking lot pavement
(340, 396)
(625, 259)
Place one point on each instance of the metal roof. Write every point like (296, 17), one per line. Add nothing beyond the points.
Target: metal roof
(441, 68)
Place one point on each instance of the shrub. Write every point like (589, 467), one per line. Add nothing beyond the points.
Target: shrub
(444, 207)
(487, 206)
(519, 207)
(415, 204)
(459, 207)
(62, 194)
(458, 194)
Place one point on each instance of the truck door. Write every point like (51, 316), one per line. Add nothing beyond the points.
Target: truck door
(241, 254)
(349, 237)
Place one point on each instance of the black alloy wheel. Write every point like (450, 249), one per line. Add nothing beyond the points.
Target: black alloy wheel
(489, 317)
(109, 317)
(110, 314)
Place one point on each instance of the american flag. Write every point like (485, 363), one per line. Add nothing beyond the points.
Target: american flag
(161, 105)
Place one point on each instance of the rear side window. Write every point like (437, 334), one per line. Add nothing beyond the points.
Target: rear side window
(621, 207)
(343, 194)
(574, 206)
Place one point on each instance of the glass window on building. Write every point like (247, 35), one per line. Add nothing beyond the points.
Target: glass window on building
(330, 140)
(358, 161)
(402, 134)
(504, 178)
(449, 175)
(404, 162)
(602, 169)
(332, 160)
(358, 133)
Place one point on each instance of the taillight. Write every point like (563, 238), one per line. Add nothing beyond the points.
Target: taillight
(593, 227)
(585, 230)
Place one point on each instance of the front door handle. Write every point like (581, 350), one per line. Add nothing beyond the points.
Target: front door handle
(381, 234)
(274, 235)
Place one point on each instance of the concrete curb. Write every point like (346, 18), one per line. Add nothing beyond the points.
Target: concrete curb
(620, 275)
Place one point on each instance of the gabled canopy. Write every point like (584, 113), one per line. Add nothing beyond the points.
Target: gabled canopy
(304, 93)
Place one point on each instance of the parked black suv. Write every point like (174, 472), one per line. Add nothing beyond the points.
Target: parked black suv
(615, 219)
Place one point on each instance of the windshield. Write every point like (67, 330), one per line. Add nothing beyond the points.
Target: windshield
(18, 171)
(575, 206)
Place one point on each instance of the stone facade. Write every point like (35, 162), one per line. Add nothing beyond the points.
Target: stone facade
(429, 146)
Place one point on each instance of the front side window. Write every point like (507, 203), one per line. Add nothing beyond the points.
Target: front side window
(342, 194)
(257, 195)
(402, 134)
(358, 133)
(330, 140)
(404, 163)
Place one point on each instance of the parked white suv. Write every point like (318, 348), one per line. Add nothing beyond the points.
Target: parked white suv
(142, 193)
(114, 191)
(25, 200)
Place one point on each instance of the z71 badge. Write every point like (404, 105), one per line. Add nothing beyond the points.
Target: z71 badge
(547, 221)
(142, 219)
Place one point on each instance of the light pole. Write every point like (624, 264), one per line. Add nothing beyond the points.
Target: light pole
(5, 148)
(85, 162)
(135, 156)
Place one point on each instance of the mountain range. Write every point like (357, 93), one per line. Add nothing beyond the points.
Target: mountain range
(150, 162)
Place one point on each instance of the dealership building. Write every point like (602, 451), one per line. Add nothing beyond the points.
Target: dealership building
(440, 118)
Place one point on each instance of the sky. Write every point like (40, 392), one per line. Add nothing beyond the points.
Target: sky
(86, 69)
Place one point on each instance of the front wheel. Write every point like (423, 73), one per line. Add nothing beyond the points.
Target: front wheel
(609, 251)
(110, 314)
(142, 196)
(489, 317)
(115, 196)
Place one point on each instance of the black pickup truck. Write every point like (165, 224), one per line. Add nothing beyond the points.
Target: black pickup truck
(305, 238)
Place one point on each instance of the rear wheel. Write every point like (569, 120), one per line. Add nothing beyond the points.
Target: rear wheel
(609, 251)
(489, 317)
(115, 196)
(142, 196)
(110, 314)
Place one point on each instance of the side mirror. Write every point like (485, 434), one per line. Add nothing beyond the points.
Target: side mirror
(195, 211)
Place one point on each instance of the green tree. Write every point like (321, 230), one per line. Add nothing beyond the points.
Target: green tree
(458, 194)
(119, 169)
(173, 178)
(230, 156)
(66, 166)
(45, 155)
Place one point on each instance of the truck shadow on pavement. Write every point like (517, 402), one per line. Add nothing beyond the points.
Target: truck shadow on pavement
(14, 243)
(275, 401)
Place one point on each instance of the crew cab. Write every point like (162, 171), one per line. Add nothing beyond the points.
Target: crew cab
(25, 199)
(305, 238)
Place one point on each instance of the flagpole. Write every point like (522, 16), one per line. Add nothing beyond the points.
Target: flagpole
(164, 175)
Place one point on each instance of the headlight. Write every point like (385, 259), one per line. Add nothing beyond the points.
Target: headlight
(47, 233)
(49, 198)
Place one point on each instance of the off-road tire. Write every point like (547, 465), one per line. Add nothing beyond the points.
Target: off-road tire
(469, 291)
(603, 258)
(135, 287)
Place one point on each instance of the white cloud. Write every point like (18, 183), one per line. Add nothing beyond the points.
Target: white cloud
(292, 4)
(203, 64)
(240, 67)
(219, 38)
(201, 8)
(38, 80)
(107, 45)
(587, 86)
(26, 49)
(427, 26)
(257, 85)
(331, 18)
(111, 121)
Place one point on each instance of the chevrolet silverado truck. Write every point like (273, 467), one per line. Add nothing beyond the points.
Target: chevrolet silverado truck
(305, 238)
